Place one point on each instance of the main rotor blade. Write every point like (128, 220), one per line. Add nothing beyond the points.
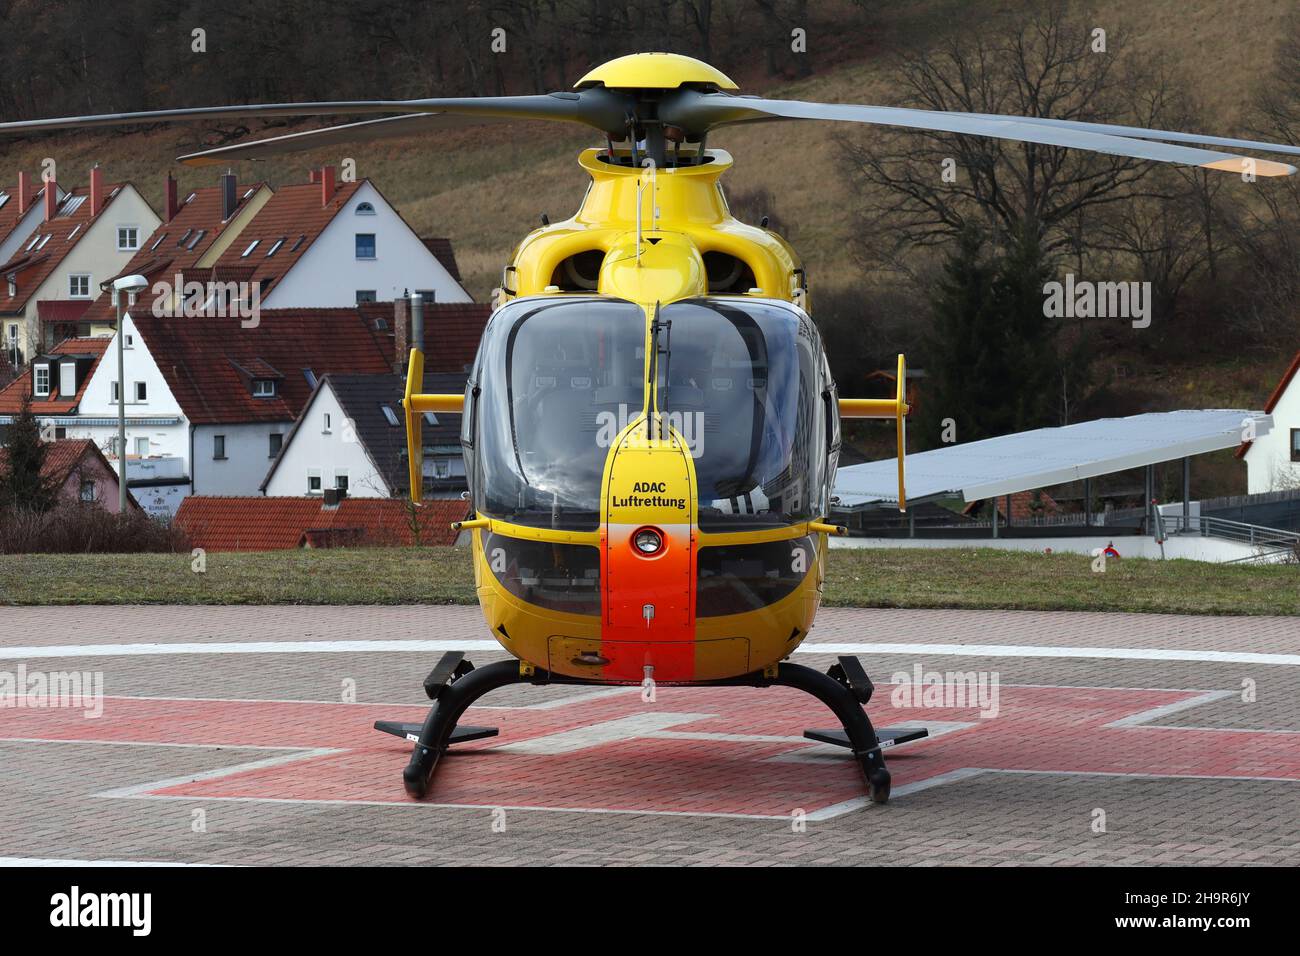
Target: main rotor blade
(598, 107)
(1141, 132)
(695, 111)
(410, 124)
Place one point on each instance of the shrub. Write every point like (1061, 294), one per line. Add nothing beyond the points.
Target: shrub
(85, 528)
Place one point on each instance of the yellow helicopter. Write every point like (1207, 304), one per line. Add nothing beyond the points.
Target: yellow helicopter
(650, 427)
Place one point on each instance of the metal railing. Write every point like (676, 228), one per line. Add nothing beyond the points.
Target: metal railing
(1239, 531)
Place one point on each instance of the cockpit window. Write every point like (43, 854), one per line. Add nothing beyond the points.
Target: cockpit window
(740, 380)
(558, 380)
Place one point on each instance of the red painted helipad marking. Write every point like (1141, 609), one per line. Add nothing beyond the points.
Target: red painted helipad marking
(618, 754)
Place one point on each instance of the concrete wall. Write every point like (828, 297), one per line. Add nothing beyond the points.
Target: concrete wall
(1129, 546)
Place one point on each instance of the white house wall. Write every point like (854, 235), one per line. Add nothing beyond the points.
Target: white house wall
(329, 453)
(329, 273)
(141, 417)
(247, 459)
(1268, 462)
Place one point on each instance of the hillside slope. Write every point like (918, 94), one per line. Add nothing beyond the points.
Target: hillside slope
(486, 187)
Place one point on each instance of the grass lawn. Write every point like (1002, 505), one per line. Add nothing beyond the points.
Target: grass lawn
(957, 578)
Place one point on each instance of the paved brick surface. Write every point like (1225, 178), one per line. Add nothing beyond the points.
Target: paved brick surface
(77, 788)
(127, 624)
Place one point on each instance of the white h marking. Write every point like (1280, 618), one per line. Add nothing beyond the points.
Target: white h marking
(605, 732)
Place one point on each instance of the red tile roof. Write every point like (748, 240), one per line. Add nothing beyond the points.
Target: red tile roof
(60, 457)
(172, 247)
(1021, 502)
(61, 310)
(32, 267)
(204, 359)
(294, 211)
(451, 331)
(10, 214)
(271, 524)
(11, 396)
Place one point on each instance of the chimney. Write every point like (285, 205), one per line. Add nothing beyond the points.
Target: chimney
(25, 194)
(313, 175)
(417, 321)
(51, 199)
(227, 196)
(96, 191)
(401, 346)
(170, 201)
(326, 185)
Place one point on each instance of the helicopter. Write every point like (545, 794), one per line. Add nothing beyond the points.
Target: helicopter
(650, 427)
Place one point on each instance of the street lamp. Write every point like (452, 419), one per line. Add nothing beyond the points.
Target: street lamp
(130, 285)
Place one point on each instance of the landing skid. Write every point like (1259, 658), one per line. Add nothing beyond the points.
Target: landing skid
(454, 684)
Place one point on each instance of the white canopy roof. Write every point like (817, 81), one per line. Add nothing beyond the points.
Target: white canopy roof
(1048, 456)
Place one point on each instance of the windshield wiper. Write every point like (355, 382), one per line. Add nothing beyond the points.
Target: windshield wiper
(657, 326)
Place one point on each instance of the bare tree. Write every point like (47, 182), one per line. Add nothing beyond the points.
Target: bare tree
(1038, 64)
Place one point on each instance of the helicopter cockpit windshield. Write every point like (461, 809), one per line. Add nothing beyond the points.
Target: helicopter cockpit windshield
(740, 381)
(570, 375)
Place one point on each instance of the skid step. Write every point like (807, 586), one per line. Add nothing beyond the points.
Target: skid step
(412, 731)
(887, 738)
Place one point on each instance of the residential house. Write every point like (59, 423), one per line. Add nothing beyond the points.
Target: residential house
(83, 239)
(55, 382)
(367, 456)
(80, 473)
(1273, 460)
(333, 520)
(192, 236)
(233, 391)
(330, 243)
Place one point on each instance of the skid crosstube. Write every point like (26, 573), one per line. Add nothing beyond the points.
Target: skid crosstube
(454, 684)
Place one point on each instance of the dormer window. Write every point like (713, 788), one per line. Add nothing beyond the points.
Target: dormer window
(44, 239)
(251, 246)
(263, 388)
(184, 236)
(40, 380)
(198, 237)
(13, 286)
(158, 242)
(365, 209)
(275, 247)
(32, 245)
